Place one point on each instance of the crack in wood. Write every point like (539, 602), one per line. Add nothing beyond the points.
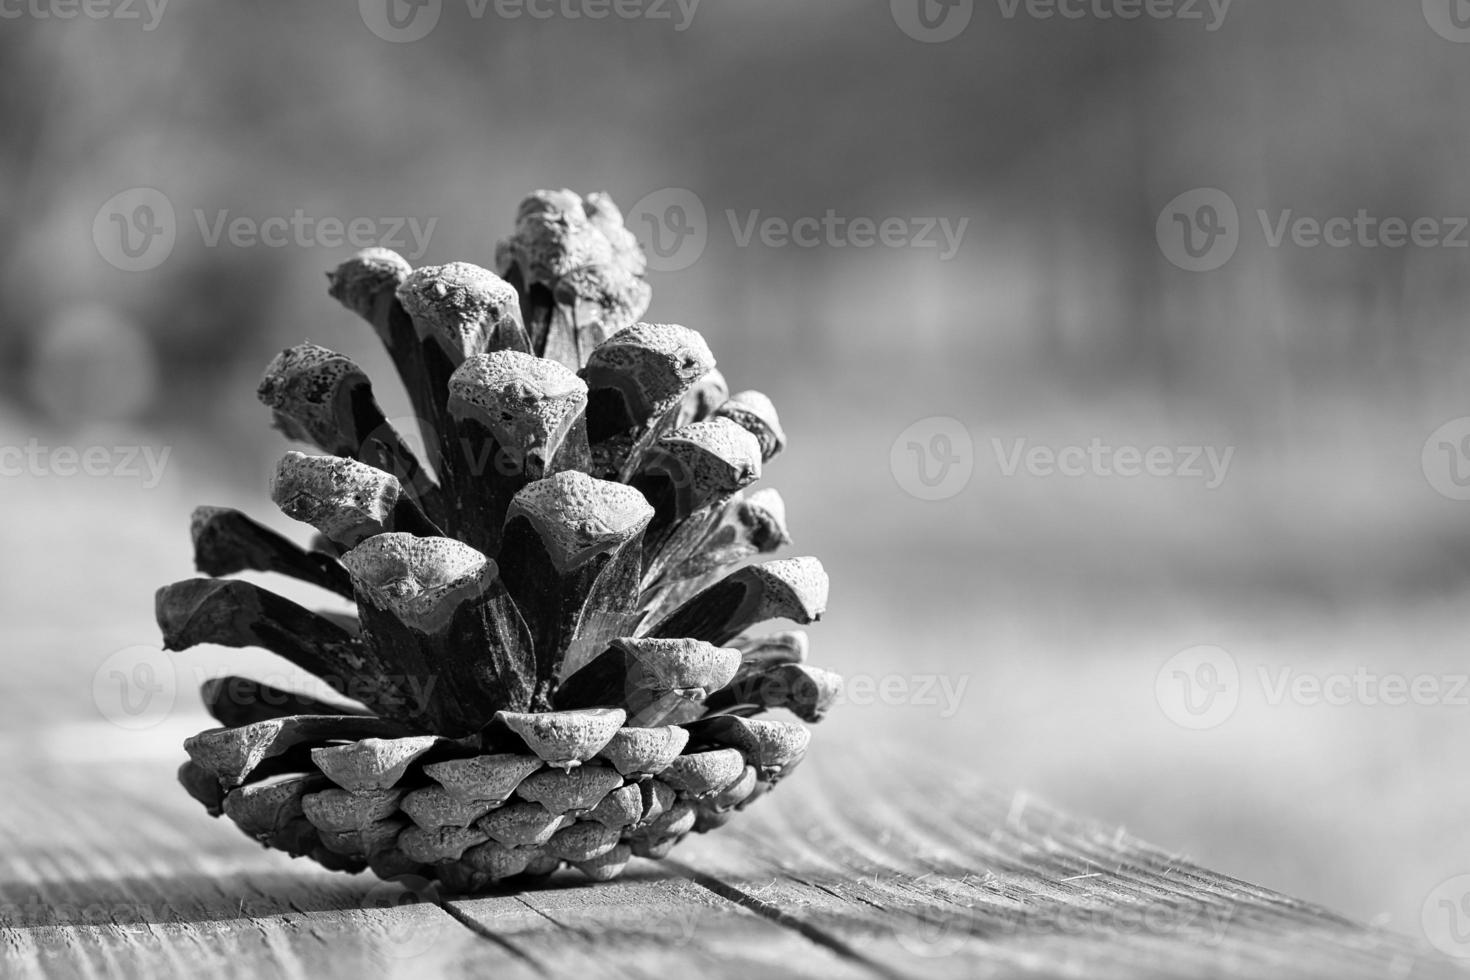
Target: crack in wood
(575, 930)
(784, 919)
(485, 932)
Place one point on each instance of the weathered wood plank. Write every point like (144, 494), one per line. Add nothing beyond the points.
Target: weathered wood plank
(922, 871)
(111, 870)
(862, 865)
(652, 923)
(108, 871)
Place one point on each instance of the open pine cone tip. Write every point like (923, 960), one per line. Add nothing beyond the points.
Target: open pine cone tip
(551, 660)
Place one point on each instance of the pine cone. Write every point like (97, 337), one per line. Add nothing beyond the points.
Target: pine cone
(549, 663)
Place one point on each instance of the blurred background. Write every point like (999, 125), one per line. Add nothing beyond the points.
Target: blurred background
(1049, 604)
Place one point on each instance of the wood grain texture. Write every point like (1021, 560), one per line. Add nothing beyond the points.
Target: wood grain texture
(919, 871)
(105, 875)
(857, 866)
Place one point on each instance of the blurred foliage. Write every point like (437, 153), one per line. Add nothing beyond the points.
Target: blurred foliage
(1059, 140)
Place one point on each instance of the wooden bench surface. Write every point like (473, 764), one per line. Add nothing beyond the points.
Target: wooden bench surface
(863, 864)
(884, 855)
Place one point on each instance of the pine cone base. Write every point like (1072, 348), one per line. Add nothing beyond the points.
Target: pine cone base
(422, 807)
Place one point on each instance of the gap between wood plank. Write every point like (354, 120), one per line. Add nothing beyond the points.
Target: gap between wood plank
(484, 932)
(773, 914)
